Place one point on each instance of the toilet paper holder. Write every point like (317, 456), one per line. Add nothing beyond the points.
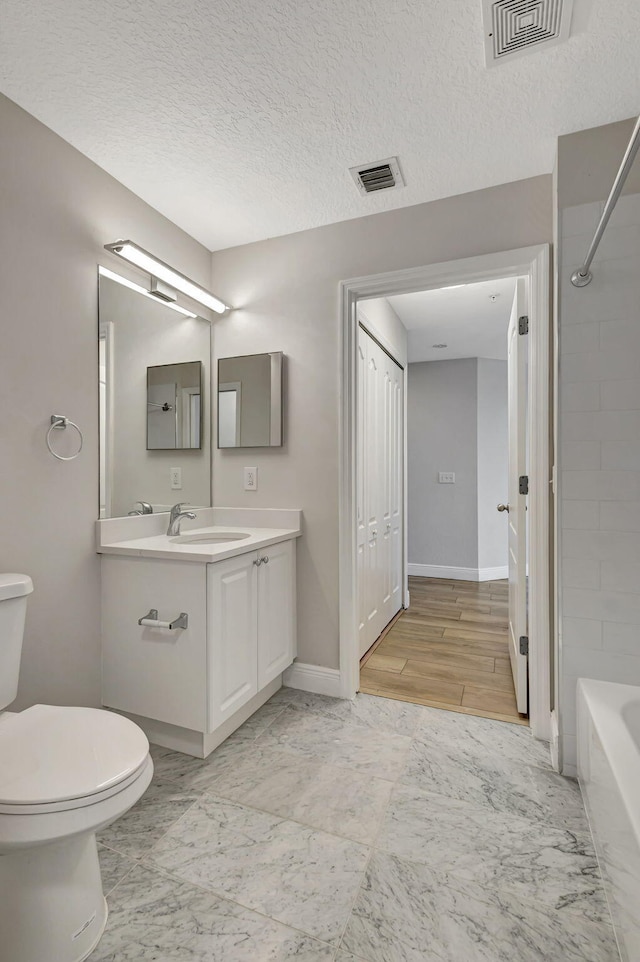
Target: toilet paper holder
(150, 620)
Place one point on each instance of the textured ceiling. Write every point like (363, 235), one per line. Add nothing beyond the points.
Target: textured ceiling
(239, 119)
(466, 319)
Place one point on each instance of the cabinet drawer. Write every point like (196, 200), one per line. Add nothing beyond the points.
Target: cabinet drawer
(154, 672)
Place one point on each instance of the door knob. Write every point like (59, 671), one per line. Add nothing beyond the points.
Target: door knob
(388, 527)
(503, 507)
(265, 559)
(374, 533)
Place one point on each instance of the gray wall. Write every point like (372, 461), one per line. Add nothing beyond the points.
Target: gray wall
(442, 436)
(62, 209)
(457, 421)
(599, 424)
(493, 462)
(286, 290)
(58, 209)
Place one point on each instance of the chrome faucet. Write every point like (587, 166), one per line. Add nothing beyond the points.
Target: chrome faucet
(145, 508)
(175, 519)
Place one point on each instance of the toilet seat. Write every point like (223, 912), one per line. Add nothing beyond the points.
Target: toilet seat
(53, 759)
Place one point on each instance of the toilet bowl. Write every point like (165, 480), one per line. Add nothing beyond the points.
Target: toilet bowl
(65, 774)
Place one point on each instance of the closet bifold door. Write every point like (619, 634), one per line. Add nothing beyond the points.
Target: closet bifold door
(379, 489)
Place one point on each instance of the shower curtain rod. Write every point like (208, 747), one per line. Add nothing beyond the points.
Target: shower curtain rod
(583, 275)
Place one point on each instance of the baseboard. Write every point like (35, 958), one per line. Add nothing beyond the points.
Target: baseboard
(315, 678)
(458, 574)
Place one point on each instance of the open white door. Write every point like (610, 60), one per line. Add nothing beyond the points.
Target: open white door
(517, 507)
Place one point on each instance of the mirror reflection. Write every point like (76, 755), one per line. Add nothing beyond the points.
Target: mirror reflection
(250, 401)
(151, 357)
(173, 406)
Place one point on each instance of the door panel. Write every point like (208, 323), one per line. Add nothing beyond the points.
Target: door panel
(276, 611)
(397, 490)
(361, 375)
(379, 488)
(517, 370)
(232, 621)
(372, 435)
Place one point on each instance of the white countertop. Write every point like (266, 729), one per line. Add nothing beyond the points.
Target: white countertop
(112, 534)
(160, 546)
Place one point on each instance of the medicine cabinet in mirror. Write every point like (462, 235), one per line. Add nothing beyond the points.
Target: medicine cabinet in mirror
(155, 430)
(174, 392)
(250, 401)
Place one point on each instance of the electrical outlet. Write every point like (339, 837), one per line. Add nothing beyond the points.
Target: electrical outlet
(175, 479)
(446, 477)
(250, 479)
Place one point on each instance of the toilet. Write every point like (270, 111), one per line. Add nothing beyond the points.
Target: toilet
(65, 773)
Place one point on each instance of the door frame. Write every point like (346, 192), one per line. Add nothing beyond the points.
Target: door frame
(534, 263)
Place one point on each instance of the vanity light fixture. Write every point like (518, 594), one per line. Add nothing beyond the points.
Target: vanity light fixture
(143, 259)
(119, 279)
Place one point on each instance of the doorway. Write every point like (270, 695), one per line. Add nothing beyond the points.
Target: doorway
(532, 264)
(466, 411)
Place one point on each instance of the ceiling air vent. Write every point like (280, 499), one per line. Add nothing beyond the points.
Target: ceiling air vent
(383, 175)
(515, 27)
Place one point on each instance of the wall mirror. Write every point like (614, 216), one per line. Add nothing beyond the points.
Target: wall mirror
(174, 392)
(250, 401)
(155, 430)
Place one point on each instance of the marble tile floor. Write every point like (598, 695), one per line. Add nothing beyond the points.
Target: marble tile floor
(365, 831)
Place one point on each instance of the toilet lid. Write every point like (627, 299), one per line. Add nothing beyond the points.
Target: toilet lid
(50, 754)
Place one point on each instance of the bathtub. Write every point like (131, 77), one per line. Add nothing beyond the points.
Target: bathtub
(609, 773)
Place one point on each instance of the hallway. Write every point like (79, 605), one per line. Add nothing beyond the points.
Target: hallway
(448, 650)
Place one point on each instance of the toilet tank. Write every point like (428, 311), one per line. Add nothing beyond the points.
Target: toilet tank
(14, 590)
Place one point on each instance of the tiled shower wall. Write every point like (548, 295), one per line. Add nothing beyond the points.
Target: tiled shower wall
(599, 456)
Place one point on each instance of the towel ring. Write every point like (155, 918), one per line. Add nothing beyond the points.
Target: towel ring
(60, 421)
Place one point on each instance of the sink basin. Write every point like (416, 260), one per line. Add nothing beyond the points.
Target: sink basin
(211, 537)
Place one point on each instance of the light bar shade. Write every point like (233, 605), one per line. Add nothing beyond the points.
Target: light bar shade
(147, 262)
(112, 276)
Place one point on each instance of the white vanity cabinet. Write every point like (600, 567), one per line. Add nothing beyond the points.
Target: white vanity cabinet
(240, 635)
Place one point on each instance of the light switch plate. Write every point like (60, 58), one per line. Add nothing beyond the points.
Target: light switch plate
(250, 479)
(175, 478)
(446, 477)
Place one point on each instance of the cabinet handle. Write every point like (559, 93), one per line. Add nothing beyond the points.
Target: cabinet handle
(150, 620)
(265, 559)
(257, 562)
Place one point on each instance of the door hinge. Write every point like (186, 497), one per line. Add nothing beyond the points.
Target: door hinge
(523, 324)
(524, 645)
(523, 484)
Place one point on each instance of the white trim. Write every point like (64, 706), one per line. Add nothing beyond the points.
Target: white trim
(315, 678)
(555, 742)
(106, 333)
(457, 574)
(532, 262)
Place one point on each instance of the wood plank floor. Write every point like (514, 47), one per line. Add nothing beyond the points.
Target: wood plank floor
(448, 650)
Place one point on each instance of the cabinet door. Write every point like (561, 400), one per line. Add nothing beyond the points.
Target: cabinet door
(147, 671)
(232, 621)
(276, 610)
